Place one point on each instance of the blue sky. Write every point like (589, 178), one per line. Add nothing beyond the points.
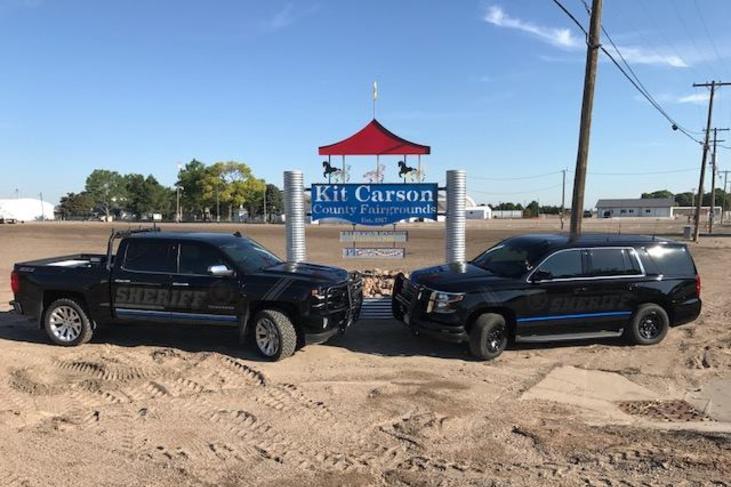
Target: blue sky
(493, 87)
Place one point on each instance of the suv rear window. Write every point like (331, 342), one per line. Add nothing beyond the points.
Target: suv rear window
(613, 262)
(150, 256)
(672, 261)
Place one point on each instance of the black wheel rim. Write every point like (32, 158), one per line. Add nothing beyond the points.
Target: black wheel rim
(495, 339)
(650, 326)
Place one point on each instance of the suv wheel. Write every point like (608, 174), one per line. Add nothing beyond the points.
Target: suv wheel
(66, 323)
(274, 334)
(648, 326)
(488, 336)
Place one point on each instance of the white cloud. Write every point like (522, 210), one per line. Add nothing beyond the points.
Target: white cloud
(281, 19)
(566, 40)
(557, 37)
(695, 98)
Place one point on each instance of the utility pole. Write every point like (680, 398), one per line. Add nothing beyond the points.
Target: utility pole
(704, 158)
(712, 213)
(43, 210)
(265, 203)
(563, 196)
(177, 203)
(587, 103)
(218, 206)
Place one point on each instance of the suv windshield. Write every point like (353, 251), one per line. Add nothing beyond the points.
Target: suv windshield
(248, 255)
(511, 259)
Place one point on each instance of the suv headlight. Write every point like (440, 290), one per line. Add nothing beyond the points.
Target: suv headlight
(441, 302)
(318, 297)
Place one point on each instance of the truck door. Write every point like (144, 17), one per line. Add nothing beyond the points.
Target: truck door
(205, 288)
(141, 279)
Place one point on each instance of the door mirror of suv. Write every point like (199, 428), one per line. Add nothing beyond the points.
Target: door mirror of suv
(541, 275)
(220, 271)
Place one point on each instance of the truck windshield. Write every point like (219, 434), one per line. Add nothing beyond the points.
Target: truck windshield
(510, 259)
(248, 255)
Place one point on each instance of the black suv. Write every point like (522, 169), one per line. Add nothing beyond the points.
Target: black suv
(199, 278)
(547, 287)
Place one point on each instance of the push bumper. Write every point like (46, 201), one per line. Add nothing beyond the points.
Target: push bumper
(17, 307)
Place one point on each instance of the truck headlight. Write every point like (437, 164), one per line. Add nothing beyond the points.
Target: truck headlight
(441, 302)
(318, 297)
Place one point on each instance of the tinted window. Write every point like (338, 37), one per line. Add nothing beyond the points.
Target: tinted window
(613, 262)
(560, 265)
(672, 261)
(248, 255)
(196, 258)
(150, 256)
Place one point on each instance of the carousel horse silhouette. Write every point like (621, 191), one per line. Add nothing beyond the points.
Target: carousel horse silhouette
(403, 169)
(375, 176)
(328, 171)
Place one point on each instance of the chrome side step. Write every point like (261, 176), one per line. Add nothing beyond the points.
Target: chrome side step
(567, 336)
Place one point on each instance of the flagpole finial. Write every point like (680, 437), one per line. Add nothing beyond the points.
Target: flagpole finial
(374, 96)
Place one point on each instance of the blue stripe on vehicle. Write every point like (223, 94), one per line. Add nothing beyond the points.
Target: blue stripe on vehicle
(574, 316)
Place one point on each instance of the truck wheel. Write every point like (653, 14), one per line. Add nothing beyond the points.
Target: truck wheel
(488, 336)
(648, 326)
(66, 323)
(274, 334)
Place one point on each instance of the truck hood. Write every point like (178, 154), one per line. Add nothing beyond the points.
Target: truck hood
(320, 274)
(455, 278)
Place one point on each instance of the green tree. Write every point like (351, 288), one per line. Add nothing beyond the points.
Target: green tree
(145, 195)
(662, 193)
(532, 210)
(190, 181)
(230, 184)
(75, 205)
(684, 199)
(107, 189)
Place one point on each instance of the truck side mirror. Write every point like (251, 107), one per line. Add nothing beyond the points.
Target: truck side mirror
(220, 271)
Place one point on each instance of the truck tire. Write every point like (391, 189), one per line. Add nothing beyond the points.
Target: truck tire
(274, 335)
(648, 325)
(66, 323)
(488, 336)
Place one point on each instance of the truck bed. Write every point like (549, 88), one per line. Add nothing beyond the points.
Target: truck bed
(67, 261)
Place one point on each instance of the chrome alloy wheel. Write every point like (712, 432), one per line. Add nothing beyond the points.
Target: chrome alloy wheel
(65, 323)
(267, 337)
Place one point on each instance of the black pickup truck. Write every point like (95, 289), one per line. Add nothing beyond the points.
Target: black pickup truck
(205, 278)
(548, 287)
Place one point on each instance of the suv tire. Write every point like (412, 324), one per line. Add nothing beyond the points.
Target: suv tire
(66, 323)
(648, 325)
(274, 335)
(488, 336)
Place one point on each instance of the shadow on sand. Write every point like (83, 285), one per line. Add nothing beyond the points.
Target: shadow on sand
(387, 338)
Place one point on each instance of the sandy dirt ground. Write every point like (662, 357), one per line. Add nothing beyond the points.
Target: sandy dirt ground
(175, 405)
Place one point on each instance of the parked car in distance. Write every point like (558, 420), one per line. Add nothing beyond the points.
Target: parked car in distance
(548, 287)
(199, 278)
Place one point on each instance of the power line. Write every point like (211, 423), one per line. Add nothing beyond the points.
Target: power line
(517, 192)
(635, 83)
(516, 178)
(708, 32)
(648, 173)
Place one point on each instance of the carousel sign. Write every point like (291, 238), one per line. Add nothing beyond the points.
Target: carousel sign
(374, 204)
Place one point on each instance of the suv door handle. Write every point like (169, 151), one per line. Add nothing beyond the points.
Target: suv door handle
(181, 284)
(580, 290)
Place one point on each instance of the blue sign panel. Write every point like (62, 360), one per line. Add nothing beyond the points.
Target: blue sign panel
(374, 204)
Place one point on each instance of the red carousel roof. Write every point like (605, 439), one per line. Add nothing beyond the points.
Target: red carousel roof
(373, 139)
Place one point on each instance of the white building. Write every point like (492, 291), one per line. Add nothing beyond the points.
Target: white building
(638, 207)
(478, 212)
(25, 209)
(507, 214)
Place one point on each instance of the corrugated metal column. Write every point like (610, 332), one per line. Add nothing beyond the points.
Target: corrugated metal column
(294, 209)
(455, 227)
